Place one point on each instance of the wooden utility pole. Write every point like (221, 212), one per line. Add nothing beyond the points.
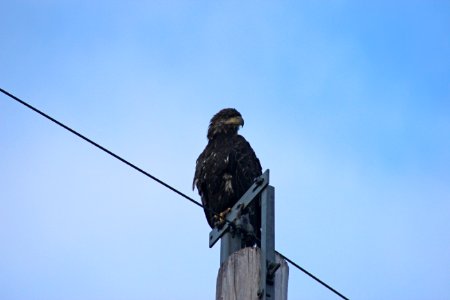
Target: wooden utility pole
(250, 273)
(239, 277)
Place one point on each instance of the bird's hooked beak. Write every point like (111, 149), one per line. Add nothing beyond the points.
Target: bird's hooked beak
(237, 121)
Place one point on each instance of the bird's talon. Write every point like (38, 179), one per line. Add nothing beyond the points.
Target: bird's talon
(221, 217)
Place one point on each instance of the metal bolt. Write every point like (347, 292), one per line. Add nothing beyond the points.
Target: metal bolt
(260, 293)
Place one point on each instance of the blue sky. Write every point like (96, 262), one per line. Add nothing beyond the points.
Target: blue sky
(346, 102)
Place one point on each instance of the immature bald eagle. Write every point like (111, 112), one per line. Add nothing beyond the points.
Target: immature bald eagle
(226, 168)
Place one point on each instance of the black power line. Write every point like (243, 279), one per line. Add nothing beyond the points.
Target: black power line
(312, 276)
(152, 177)
(101, 148)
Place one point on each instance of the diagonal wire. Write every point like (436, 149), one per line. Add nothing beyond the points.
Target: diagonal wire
(102, 148)
(312, 276)
(154, 178)
(307, 272)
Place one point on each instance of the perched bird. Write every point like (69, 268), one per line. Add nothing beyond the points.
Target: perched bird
(225, 170)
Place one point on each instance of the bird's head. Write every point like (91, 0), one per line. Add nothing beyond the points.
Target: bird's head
(226, 122)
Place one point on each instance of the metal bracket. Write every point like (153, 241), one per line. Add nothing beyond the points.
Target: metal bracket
(255, 189)
(231, 234)
(268, 264)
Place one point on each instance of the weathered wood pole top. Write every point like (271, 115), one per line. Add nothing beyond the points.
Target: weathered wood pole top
(239, 277)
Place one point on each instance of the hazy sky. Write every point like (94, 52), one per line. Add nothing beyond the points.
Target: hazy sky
(346, 102)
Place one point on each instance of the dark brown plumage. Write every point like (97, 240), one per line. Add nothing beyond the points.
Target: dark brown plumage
(226, 168)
